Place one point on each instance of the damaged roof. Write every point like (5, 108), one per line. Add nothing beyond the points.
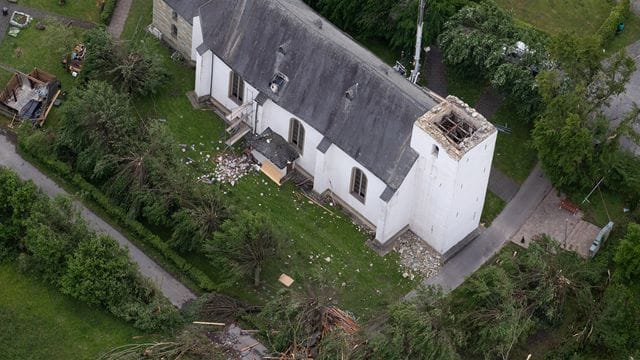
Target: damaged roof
(274, 147)
(188, 9)
(346, 93)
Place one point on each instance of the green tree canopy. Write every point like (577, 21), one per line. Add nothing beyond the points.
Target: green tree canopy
(245, 242)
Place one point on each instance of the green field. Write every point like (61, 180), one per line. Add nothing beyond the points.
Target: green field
(582, 17)
(87, 10)
(38, 322)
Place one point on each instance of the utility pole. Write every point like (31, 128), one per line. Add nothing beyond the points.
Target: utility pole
(416, 59)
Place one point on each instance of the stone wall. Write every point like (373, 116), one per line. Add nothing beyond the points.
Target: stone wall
(163, 19)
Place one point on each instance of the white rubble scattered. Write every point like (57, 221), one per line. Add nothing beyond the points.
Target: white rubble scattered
(229, 169)
(416, 257)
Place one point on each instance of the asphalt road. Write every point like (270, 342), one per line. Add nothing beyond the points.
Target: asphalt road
(177, 293)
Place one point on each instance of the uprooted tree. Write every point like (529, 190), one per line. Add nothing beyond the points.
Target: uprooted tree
(134, 69)
(246, 243)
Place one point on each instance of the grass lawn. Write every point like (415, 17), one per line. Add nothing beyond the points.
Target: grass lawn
(38, 322)
(630, 34)
(43, 50)
(493, 205)
(513, 155)
(580, 16)
(87, 10)
(311, 234)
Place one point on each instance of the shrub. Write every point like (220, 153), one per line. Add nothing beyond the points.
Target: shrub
(618, 14)
(107, 11)
(157, 315)
(99, 272)
(170, 258)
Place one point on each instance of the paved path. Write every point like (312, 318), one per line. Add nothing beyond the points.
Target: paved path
(119, 18)
(623, 103)
(502, 186)
(177, 293)
(435, 72)
(487, 244)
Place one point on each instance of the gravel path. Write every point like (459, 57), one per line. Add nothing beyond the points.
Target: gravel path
(119, 18)
(177, 293)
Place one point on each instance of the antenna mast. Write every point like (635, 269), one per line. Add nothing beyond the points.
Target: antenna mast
(416, 59)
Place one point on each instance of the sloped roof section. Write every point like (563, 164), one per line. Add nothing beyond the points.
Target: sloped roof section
(188, 9)
(341, 89)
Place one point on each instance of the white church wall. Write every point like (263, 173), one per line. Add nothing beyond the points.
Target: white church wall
(204, 68)
(334, 173)
(220, 85)
(470, 190)
(397, 212)
(196, 38)
(279, 119)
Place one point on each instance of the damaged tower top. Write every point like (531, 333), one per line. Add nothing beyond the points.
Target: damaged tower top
(455, 126)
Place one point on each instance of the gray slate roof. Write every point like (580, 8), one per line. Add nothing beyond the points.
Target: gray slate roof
(274, 147)
(258, 38)
(188, 9)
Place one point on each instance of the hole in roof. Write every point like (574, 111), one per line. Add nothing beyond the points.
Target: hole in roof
(455, 128)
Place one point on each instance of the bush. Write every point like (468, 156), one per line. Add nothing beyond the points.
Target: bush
(99, 272)
(170, 258)
(609, 27)
(157, 315)
(56, 244)
(107, 11)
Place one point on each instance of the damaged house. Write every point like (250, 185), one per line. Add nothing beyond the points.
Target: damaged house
(306, 96)
(29, 96)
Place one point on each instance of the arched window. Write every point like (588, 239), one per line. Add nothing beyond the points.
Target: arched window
(296, 134)
(358, 184)
(236, 88)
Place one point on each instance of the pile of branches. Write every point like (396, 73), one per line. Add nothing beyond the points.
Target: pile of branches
(191, 344)
(225, 309)
(306, 324)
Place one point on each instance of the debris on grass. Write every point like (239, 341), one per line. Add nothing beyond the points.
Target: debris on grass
(416, 257)
(230, 168)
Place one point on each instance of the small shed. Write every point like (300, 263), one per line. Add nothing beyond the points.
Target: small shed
(29, 96)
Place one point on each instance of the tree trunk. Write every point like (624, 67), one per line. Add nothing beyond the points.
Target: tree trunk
(256, 275)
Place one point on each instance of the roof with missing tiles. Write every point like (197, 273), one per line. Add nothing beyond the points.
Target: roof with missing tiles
(346, 93)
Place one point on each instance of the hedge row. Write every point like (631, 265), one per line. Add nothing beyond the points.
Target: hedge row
(174, 260)
(609, 27)
(108, 8)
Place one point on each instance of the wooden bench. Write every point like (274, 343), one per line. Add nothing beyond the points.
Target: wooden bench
(569, 206)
